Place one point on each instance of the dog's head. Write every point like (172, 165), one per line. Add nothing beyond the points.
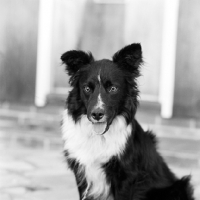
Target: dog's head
(103, 89)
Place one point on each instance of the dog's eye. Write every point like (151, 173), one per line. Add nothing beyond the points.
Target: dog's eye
(87, 89)
(113, 89)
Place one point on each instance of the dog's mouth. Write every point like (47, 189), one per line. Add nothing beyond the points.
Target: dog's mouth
(99, 128)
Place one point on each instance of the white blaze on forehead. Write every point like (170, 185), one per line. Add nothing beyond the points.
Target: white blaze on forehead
(100, 103)
(99, 78)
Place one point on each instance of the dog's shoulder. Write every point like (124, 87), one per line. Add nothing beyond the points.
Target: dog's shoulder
(144, 141)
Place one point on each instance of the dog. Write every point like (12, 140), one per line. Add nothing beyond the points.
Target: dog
(110, 154)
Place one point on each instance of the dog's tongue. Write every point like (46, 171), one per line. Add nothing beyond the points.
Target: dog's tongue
(99, 128)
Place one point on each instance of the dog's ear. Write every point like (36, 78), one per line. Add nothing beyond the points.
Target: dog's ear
(129, 58)
(75, 60)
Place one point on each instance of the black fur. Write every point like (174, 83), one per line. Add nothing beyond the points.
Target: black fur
(74, 60)
(129, 58)
(140, 173)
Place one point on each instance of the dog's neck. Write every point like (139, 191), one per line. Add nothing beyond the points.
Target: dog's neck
(92, 151)
(79, 137)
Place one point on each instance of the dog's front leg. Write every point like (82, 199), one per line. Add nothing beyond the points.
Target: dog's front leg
(82, 188)
(121, 189)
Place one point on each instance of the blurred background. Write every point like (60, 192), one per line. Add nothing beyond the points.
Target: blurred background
(34, 85)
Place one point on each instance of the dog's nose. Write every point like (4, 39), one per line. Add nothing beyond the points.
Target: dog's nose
(97, 114)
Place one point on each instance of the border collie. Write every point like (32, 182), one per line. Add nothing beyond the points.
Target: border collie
(112, 157)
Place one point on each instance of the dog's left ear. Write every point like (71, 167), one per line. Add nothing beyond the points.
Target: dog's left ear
(75, 60)
(129, 58)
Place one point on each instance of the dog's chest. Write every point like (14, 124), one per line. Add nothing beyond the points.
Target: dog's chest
(92, 151)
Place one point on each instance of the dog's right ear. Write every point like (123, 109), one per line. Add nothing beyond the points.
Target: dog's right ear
(75, 60)
(129, 58)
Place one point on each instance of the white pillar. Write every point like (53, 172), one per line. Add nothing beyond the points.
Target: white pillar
(43, 71)
(168, 59)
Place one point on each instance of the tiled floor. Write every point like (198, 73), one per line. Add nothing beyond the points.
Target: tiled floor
(32, 166)
(31, 174)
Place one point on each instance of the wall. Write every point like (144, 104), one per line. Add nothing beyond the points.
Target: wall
(144, 24)
(187, 78)
(66, 23)
(18, 39)
(104, 28)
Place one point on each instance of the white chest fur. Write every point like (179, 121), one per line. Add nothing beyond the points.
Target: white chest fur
(92, 150)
